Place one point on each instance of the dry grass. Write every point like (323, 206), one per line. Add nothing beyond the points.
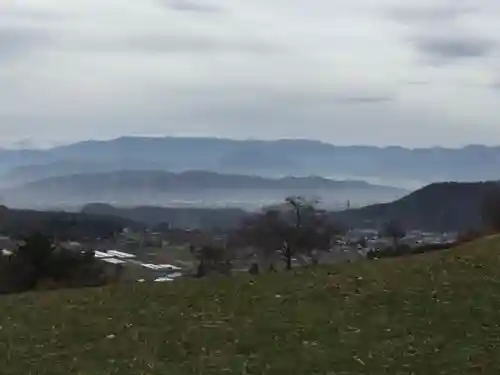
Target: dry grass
(428, 314)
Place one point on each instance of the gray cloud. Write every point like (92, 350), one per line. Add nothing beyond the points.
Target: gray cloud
(259, 97)
(444, 49)
(438, 32)
(430, 13)
(16, 41)
(190, 6)
(178, 44)
(334, 70)
(30, 15)
(417, 83)
(293, 99)
(366, 99)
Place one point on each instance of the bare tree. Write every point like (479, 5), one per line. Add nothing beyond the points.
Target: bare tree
(296, 228)
(394, 230)
(264, 232)
(212, 259)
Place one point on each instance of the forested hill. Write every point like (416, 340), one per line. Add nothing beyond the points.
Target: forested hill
(440, 206)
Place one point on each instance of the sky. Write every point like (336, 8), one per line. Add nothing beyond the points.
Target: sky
(376, 72)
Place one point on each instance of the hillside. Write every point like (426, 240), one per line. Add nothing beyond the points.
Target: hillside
(442, 206)
(428, 314)
(193, 188)
(265, 158)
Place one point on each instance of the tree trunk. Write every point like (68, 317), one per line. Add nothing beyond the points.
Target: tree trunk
(254, 269)
(315, 259)
(201, 270)
(396, 243)
(288, 256)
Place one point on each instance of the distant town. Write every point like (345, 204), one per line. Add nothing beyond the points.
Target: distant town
(164, 257)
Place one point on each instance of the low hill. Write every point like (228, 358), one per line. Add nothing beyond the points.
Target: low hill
(428, 314)
(34, 172)
(442, 206)
(200, 218)
(194, 188)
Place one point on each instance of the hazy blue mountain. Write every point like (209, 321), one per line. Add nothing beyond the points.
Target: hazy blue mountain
(265, 158)
(34, 172)
(193, 188)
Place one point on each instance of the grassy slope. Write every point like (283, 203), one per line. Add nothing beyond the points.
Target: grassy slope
(430, 314)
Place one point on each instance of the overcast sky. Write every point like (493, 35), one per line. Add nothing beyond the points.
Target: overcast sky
(412, 72)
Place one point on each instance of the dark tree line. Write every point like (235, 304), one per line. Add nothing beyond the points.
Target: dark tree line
(62, 226)
(38, 263)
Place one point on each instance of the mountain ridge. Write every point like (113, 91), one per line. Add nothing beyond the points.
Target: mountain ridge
(298, 157)
(206, 188)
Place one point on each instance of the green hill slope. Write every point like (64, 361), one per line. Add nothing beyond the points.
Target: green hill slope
(428, 314)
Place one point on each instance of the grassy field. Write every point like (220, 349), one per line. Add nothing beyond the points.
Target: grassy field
(168, 254)
(428, 314)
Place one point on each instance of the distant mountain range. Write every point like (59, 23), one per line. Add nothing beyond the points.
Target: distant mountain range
(194, 188)
(388, 165)
(437, 207)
